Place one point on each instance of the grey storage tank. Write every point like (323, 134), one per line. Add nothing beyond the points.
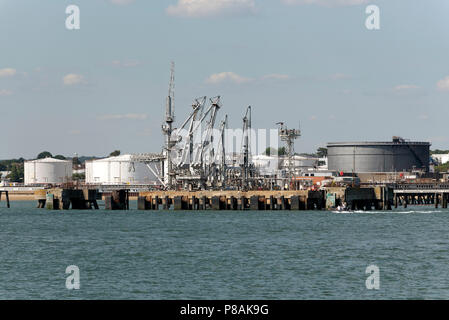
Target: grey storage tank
(398, 155)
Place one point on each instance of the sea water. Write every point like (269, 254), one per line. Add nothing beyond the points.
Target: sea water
(223, 254)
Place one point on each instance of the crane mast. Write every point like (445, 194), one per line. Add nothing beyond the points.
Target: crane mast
(167, 128)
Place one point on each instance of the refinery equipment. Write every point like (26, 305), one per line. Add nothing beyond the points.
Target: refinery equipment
(197, 161)
(289, 136)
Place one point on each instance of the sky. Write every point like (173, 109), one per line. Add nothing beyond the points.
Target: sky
(309, 62)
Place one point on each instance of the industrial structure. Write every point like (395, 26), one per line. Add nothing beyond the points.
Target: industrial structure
(395, 156)
(47, 171)
(194, 158)
(289, 136)
(121, 170)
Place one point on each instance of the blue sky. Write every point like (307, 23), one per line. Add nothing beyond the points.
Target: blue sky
(103, 87)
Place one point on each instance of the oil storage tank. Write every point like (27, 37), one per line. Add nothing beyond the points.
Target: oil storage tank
(121, 170)
(47, 171)
(397, 155)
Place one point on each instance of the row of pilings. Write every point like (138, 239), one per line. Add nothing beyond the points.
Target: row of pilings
(223, 202)
(378, 198)
(436, 199)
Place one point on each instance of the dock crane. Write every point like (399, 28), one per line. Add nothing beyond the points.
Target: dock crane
(246, 148)
(167, 128)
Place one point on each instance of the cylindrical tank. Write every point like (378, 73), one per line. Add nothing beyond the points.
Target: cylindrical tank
(47, 171)
(398, 155)
(118, 170)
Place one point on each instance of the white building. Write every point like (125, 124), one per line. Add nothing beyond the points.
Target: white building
(120, 170)
(441, 158)
(48, 171)
(270, 165)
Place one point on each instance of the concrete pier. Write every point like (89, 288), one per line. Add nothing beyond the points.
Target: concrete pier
(118, 200)
(233, 200)
(57, 199)
(365, 198)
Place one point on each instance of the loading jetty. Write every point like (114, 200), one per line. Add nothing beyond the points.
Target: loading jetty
(377, 198)
(364, 198)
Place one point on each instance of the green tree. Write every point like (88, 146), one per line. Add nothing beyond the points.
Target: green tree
(76, 161)
(321, 152)
(59, 157)
(115, 153)
(78, 176)
(442, 168)
(44, 154)
(438, 151)
(16, 174)
(282, 151)
(270, 151)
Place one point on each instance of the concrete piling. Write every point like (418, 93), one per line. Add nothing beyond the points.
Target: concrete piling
(7, 198)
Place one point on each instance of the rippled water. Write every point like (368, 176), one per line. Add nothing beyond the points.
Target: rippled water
(222, 255)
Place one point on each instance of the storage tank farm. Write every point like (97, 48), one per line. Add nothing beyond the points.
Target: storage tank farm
(121, 170)
(370, 157)
(47, 171)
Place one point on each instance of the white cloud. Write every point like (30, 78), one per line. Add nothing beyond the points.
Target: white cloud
(208, 8)
(129, 116)
(73, 79)
(7, 72)
(227, 77)
(326, 3)
(443, 84)
(5, 92)
(403, 87)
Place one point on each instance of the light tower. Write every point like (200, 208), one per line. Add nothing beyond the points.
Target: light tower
(289, 136)
(167, 127)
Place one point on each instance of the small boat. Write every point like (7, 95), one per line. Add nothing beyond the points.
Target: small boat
(343, 209)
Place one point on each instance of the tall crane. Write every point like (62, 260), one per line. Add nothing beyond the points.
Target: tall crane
(246, 147)
(167, 128)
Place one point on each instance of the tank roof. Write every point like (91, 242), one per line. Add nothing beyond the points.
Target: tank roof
(377, 143)
(48, 160)
(123, 157)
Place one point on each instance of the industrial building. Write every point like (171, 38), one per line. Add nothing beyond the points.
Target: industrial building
(271, 165)
(364, 157)
(47, 171)
(121, 170)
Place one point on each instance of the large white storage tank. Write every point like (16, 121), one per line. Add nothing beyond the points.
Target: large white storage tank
(48, 171)
(119, 170)
(267, 165)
